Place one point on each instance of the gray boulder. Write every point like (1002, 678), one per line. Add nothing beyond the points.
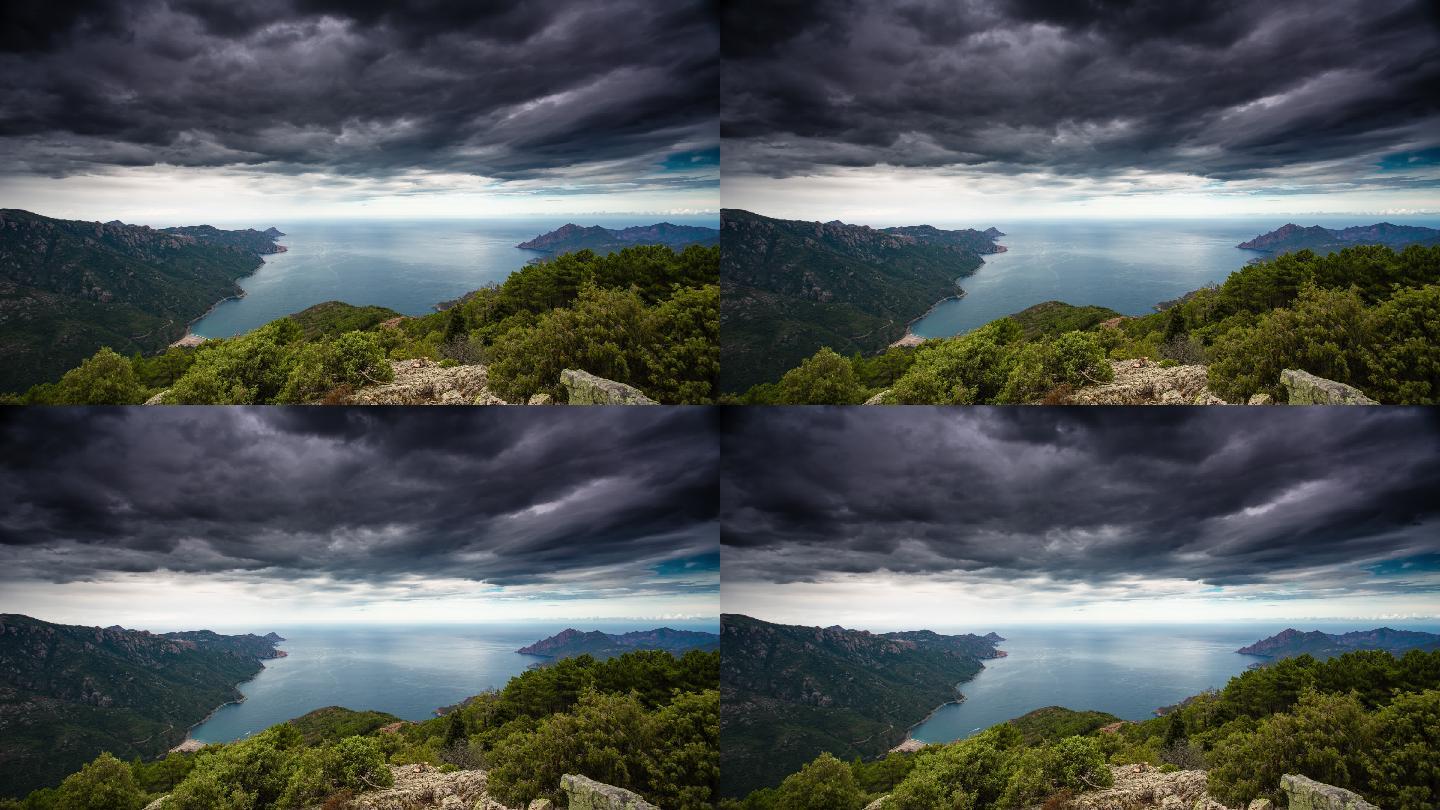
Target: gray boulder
(1307, 389)
(1305, 793)
(586, 389)
(587, 794)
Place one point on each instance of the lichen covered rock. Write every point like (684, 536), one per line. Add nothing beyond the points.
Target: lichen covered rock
(1305, 388)
(585, 793)
(587, 389)
(420, 787)
(1145, 382)
(426, 382)
(1305, 793)
(1145, 786)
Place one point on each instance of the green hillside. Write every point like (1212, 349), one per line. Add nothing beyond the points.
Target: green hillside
(68, 288)
(791, 692)
(67, 692)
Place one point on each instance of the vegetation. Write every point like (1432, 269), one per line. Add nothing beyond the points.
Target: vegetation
(646, 316)
(1366, 721)
(646, 721)
(1366, 316)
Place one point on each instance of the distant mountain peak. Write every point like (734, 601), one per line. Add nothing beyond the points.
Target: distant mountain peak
(571, 642)
(570, 237)
(1291, 237)
(1290, 642)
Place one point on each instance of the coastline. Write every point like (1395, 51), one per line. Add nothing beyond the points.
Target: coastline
(189, 743)
(910, 339)
(190, 339)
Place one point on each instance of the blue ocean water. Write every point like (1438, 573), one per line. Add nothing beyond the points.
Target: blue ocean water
(1124, 265)
(406, 266)
(404, 670)
(1126, 671)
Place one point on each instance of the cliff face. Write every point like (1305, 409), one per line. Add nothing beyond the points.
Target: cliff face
(130, 692)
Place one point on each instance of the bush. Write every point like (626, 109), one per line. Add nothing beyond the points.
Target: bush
(825, 783)
(823, 379)
(105, 783)
(104, 379)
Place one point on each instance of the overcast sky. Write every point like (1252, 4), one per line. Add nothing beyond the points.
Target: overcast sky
(908, 518)
(209, 516)
(986, 110)
(170, 110)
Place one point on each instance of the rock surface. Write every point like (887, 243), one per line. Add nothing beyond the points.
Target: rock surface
(1145, 786)
(1145, 382)
(586, 389)
(1306, 389)
(1305, 793)
(426, 382)
(425, 786)
(585, 793)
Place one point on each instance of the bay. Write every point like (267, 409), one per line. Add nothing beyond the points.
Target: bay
(1128, 266)
(408, 671)
(408, 266)
(1128, 671)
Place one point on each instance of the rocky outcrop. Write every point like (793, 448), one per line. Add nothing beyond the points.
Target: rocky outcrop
(1145, 786)
(1145, 382)
(585, 793)
(426, 382)
(1305, 388)
(425, 786)
(586, 389)
(1305, 793)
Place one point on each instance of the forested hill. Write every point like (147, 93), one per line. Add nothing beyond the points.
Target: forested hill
(1363, 721)
(646, 722)
(572, 237)
(69, 287)
(646, 316)
(789, 287)
(571, 642)
(69, 692)
(791, 692)
(1292, 237)
(1291, 642)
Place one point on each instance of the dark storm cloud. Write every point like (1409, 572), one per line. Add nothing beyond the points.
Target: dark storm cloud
(1228, 90)
(1223, 496)
(511, 90)
(499, 495)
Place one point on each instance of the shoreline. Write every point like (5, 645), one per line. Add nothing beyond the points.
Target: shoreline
(910, 339)
(189, 743)
(190, 339)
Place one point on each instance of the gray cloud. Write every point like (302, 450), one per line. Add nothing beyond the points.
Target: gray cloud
(512, 90)
(361, 495)
(1314, 92)
(1220, 496)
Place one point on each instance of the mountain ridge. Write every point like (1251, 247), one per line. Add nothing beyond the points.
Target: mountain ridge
(571, 642)
(571, 237)
(1291, 237)
(1290, 642)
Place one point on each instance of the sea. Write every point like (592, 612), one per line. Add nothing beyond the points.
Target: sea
(1128, 266)
(408, 671)
(1126, 671)
(408, 266)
